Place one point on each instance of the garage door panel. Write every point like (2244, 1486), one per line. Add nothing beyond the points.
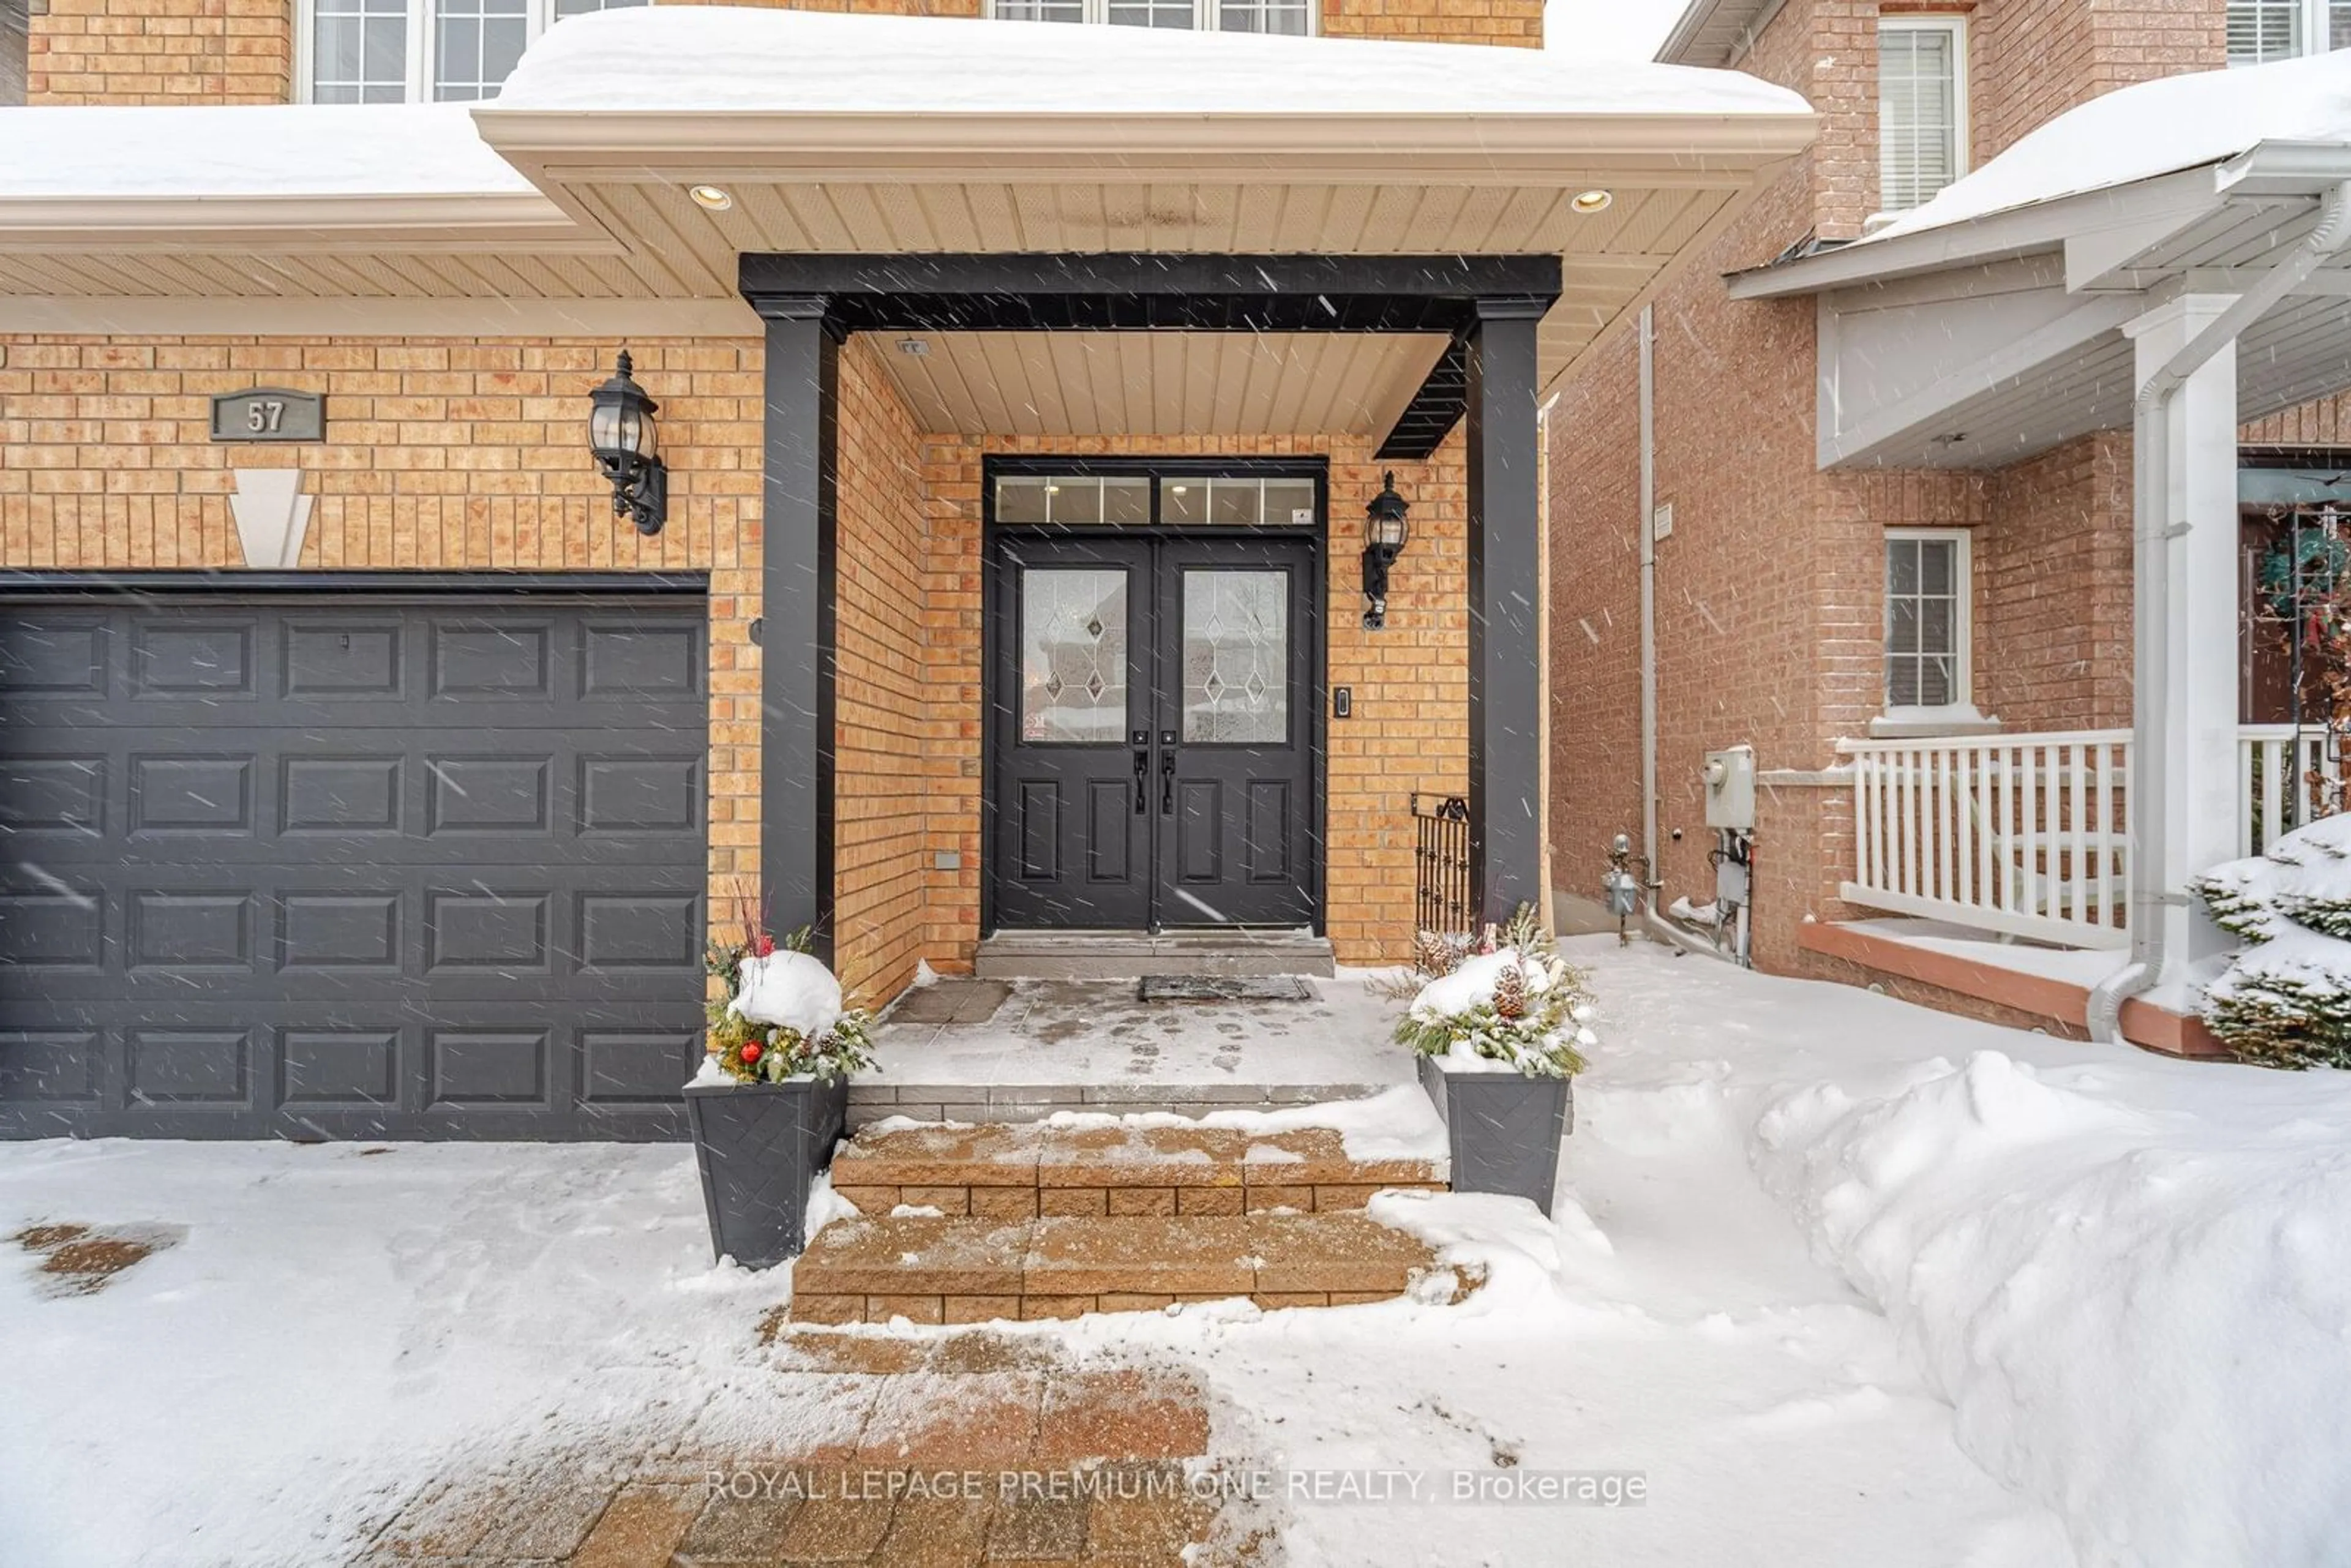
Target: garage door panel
(211, 659)
(334, 659)
(314, 870)
(55, 655)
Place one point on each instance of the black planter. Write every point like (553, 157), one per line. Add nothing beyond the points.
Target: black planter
(1504, 1128)
(759, 1147)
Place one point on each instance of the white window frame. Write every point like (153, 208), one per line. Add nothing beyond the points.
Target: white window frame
(2316, 18)
(1962, 120)
(1205, 16)
(538, 15)
(1961, 712)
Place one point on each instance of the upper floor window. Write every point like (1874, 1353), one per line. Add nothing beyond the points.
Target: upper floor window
(1922, 107)
(406, 52)
(2261, 30)
(1295, 17)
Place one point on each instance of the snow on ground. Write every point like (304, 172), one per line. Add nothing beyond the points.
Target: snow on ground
(2128, 1274)
(1067, 1032)
(2123, 1274)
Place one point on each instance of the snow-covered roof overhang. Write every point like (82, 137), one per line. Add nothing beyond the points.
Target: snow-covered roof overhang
(889, 135)
(867, 134)
(1716, 33)
(1985, 326)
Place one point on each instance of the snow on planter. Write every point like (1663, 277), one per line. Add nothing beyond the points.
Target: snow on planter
(2286, 1000)
(1505, 1011)
(1498, 1035)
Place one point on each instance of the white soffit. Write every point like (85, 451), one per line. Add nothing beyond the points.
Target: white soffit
(1159, 383)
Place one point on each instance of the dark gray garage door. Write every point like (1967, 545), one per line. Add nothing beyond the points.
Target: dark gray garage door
(380, 862)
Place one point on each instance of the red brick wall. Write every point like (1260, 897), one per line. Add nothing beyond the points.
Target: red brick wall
(2052, 639)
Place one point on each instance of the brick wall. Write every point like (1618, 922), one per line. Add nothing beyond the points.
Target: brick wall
(1410, 681)
(2053, 590)
(882, 701)
(160, 51)
(242, 51)
(442, 452)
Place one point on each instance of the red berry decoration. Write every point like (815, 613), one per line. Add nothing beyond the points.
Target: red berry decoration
(765, 947)
(752, 1052)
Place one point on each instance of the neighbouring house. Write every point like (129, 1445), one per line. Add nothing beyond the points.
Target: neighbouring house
(1023, 392)
(1846, 517)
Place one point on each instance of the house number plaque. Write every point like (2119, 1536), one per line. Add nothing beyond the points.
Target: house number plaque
(269, 414)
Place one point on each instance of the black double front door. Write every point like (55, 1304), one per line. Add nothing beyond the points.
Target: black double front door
(1154, 709)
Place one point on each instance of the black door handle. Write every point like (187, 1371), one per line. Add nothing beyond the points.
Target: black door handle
(1143, 783)
(1167, 783)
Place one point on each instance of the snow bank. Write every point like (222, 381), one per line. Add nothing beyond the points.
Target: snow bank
(715, 58)
(2142, 1318)
(2154, 128)
(264, 150)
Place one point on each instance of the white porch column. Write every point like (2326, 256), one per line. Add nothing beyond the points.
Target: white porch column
(2192, 825)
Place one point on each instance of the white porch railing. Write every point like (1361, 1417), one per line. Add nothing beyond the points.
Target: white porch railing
(2274, 765)
(2029, 835)
(2024, 834)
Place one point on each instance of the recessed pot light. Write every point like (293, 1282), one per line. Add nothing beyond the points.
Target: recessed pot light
(710, 198)
(1592, 201)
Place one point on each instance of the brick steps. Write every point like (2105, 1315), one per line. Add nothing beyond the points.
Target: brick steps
(964, 1268)
(1020, 1172)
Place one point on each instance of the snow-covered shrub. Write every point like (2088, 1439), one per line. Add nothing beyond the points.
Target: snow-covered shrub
(779, 1015)
(1519, 1007)
(2285, 1001)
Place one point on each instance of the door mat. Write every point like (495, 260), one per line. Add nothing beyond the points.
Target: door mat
(1225, 988)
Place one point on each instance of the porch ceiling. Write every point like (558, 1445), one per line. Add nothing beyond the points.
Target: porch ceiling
(1145, 384)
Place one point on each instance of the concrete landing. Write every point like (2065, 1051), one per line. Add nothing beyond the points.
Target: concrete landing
(994, 1050)
(1128, 955)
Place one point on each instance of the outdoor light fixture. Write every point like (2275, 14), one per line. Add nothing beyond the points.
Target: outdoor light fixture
(914, 346)
(711, 198)
(1385, 532)
(621, 435)
(1590, 201)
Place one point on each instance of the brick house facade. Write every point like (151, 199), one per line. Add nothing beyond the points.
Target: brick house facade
(1771, 620)
(453, 448)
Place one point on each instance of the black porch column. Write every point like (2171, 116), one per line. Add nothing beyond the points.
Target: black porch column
(1505, 582)
(796, 616)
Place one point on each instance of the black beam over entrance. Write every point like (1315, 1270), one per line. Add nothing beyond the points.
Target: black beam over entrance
(1152, 292)
(1488, 306)
(797, 582)
(1505, 587)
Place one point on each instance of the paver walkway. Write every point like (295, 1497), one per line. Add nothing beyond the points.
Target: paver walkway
(945, 1451)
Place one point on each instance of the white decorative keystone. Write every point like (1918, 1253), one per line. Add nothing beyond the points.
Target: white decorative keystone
(272, 515)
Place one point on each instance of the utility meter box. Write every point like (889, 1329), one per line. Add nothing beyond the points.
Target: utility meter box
(1731, 789)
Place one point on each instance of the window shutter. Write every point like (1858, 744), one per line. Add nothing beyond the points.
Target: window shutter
(1918, 114)
(2262, 30)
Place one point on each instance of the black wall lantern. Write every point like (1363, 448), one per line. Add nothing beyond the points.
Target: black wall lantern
(621, 435)
(1384, 531)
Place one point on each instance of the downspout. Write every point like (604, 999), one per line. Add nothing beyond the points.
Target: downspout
(2152, 533)
(1647, 525)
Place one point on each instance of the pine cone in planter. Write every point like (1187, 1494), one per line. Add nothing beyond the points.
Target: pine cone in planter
(1511, 993)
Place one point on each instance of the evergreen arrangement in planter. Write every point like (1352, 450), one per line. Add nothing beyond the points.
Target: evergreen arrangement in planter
(772, 1096)
(2285, 1000)
(1497, 1027)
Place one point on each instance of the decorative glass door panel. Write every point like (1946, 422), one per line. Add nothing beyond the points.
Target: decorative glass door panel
(1154, 699)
